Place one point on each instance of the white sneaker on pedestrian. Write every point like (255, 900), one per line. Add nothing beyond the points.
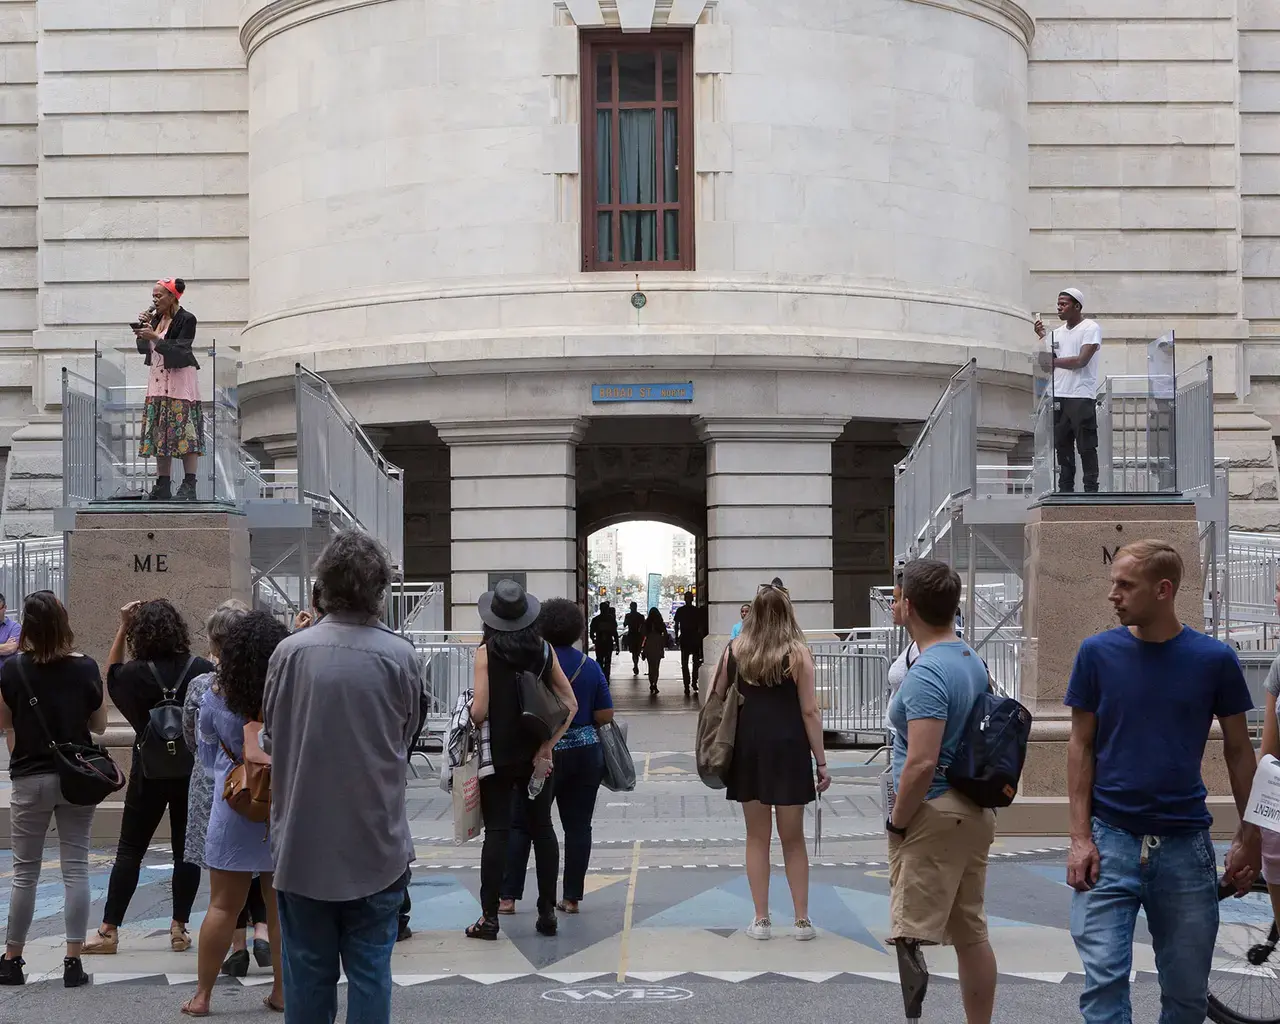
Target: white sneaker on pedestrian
(761, 930)
(805, 930)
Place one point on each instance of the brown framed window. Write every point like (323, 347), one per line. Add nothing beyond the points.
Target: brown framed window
(637, 151)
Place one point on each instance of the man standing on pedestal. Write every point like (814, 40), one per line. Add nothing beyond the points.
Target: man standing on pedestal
(1143, 698)
(1073, 356)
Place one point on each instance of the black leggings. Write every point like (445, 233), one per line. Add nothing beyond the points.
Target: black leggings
(508, 783)
(255, 907)
(145, 802)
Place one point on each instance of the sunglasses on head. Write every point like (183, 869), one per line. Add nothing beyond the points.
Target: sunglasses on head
(771, 586)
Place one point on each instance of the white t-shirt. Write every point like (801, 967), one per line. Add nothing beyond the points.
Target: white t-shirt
(1081, 383)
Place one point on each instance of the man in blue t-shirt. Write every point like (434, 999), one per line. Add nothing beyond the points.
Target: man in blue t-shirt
(939, 840)
(1143, 698)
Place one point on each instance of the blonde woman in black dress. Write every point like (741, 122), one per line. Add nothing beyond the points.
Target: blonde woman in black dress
(777, 746)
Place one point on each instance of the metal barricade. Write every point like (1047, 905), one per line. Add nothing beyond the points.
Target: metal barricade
(26, 566)
(852, 687)
(1256, 665)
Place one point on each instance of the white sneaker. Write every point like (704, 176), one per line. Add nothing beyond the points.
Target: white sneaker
(761, 930)
(805, 930)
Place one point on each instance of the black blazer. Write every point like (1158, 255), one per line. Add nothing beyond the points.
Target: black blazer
(175, 346)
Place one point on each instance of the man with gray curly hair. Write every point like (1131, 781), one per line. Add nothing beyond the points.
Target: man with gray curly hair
(340, 711)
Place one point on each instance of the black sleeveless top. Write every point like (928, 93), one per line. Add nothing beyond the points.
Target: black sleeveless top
(512, 744)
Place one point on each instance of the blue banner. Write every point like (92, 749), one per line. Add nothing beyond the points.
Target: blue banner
(655, 589)
(642, 392)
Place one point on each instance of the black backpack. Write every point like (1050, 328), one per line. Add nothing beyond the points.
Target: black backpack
(988, 763)
(163, 749)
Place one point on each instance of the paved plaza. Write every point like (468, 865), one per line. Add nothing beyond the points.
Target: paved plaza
(664, 919)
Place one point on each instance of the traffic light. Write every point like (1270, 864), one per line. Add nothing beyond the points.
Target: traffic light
(603, 591)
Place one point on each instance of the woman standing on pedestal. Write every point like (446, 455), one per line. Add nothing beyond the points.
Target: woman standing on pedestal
(173, 418)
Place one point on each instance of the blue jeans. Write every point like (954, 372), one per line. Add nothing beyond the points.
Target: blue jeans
(319, 935)
(1178, 889)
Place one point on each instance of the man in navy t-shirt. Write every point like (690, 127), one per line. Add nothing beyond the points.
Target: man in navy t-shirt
(1143, 698)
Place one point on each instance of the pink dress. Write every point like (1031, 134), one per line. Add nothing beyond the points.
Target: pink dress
(173, 416)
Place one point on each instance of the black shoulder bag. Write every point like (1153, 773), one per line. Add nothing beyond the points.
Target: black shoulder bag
(86, 774)
(542, 712)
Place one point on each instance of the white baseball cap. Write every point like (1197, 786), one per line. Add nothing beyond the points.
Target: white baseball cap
(1075, 293)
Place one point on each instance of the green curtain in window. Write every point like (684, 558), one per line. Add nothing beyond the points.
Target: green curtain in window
(604, 183)
(637, 151)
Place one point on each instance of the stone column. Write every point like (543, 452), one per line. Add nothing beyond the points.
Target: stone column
(514, 507)
(769, 514)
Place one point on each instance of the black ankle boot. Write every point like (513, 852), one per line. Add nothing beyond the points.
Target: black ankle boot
(11, 971)
(73, 975)
(546, 923)
(161, 491)
(187, 490)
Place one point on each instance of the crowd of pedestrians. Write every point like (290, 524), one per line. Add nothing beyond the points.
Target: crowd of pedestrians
(318, 880)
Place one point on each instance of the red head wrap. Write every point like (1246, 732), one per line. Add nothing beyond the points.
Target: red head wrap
(169, 285)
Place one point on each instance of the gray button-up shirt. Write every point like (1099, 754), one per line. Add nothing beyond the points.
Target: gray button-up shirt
(339, 712)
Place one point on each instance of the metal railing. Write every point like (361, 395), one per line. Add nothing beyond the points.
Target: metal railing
(102, 427)
(852, 688)
(1193, 438)
(1155, 435)
(940, 467)
(416, 607)
(340, 467)
(30, 565)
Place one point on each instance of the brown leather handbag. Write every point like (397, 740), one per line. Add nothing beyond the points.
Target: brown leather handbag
(247, 790)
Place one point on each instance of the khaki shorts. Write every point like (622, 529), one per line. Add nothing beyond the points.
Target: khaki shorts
(938, 873)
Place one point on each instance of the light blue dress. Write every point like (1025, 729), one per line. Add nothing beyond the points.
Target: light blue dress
(233, 842)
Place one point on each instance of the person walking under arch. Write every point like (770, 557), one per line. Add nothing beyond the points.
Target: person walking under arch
(776, 748)
(68, 688)
(687, 621)
(634, 623)
(604, 637)
(654, 647)
(160, 669)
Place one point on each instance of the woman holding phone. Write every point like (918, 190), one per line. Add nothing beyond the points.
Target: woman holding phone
(173, 418)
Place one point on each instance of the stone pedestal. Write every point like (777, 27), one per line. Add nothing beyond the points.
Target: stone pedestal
(196, 559)
(1070, 546)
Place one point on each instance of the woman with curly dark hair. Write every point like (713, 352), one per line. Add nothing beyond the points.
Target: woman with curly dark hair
(235, 848)
(157, 673)
(577, 763)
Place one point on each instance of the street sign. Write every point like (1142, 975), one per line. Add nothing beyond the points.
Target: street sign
(603, 393)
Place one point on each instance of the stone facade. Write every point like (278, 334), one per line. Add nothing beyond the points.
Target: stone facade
(388, 192)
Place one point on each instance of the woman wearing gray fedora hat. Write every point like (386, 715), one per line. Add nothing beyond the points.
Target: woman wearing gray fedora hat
(512, 645)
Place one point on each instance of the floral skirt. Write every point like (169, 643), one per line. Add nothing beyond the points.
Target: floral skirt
(172, 427)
